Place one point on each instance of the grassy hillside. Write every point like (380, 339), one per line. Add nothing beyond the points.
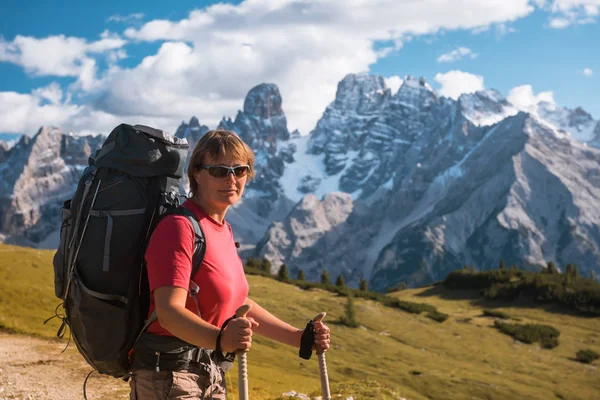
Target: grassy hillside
(392, 355)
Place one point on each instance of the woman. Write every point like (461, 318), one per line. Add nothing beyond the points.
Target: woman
(220, 166)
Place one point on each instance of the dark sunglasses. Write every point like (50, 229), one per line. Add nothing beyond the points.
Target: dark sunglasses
(221, 171)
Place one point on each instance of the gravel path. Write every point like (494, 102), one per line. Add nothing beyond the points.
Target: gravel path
(33, 368)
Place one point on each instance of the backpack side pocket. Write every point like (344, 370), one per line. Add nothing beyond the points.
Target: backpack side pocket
(61, 257)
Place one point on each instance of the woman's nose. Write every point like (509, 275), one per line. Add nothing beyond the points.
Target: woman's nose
(230, 176)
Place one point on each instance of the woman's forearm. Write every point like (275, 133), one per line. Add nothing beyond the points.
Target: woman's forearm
(272, 327)
(187, 326)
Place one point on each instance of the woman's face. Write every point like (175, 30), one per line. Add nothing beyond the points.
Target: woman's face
(220, 192)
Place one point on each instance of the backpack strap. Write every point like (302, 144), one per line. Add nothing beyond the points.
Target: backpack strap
(197, 258)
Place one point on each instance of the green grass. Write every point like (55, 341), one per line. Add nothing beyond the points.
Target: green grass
(393, 354)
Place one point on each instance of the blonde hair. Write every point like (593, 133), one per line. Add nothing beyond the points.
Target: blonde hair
(218, 144)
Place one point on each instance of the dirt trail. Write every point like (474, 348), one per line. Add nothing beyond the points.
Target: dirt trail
(32, 368)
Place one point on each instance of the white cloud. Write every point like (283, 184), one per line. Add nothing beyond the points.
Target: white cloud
(523, 98)
(457, 54)
(568, 12)
(25, 113)
(588, 72)
(125, 18)
(559, 23)
(211, 59)
(61, 56)
(454, 83)
(394, 83)
(304, 47)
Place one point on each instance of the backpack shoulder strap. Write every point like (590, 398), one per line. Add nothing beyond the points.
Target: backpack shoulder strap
(199, 238)
(197, 258)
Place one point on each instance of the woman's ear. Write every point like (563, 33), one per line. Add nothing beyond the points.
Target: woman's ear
(196, 176)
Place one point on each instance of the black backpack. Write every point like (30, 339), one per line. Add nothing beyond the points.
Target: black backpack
(99, 269)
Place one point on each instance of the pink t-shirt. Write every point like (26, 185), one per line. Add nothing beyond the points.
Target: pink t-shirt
(221, 278)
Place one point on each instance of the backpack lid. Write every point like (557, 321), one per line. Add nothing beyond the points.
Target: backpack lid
(143, 151)
(161, 135)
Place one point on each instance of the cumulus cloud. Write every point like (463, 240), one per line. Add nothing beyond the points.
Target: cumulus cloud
(454, 83)
(48, 105)
(394, 83)
(304, 47)
(208, 61)
(457, 54)
(588, 72)
(523, 98)
(568, 12)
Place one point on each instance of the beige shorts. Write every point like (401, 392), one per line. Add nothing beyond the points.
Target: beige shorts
(191, 384)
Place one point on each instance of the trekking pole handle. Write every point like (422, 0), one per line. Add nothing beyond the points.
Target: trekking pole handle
(242, 360)
(323, 365)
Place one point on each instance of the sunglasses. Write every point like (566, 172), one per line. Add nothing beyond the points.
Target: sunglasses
(221, 171)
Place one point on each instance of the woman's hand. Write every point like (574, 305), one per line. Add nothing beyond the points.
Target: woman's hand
(322, 337)
(237, 335)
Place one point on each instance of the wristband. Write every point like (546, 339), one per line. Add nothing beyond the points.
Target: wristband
(218, 344)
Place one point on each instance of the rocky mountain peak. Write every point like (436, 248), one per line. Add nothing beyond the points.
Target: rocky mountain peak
(263, 101)
(485, 107)
(362, 93)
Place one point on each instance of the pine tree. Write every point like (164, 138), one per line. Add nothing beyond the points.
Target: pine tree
(349, 317)
(325, 277)
(575, 271)
(363, 286)
(551, 268)
(501, 267)
(339, 282)
(265, 265)
(300, 276)
(283, 273)
(569, 270)
(252, 263)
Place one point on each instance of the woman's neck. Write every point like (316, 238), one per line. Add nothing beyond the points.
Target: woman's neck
(216, 213)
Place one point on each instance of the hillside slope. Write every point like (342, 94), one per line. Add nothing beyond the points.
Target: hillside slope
(393, 354)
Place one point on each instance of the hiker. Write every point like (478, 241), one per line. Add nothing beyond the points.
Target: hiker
(163, 366)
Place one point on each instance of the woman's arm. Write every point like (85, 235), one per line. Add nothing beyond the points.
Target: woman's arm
(274, 328)
(183, 323)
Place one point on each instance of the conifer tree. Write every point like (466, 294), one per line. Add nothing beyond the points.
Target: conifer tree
(363, 286)
(300, 276)
(339, 282)
(283, 273)
(325, 277)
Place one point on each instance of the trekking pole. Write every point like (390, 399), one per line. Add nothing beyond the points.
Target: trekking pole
(242, 361)
(323, 365)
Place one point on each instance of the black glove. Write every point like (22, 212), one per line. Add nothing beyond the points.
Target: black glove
(307, 341)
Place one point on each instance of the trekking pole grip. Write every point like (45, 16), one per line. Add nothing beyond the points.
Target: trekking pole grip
(323, 365)
(242, 360)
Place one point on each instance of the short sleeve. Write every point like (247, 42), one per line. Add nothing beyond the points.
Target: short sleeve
(169, 253)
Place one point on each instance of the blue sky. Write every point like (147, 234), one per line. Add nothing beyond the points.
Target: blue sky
(87, 66)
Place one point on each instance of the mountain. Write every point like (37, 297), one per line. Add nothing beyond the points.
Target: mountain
(390, 187)
(37, 175)
(437, 183)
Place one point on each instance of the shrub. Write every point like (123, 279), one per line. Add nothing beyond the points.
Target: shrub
(495, 313)
(546, 335)
(586, 356)
(437, 316)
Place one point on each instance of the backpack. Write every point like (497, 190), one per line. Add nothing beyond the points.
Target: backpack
(99, 268)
